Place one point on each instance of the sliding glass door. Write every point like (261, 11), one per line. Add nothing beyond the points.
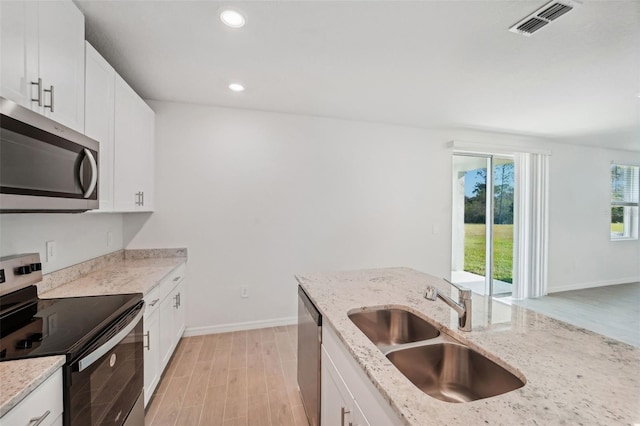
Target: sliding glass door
(483, 210)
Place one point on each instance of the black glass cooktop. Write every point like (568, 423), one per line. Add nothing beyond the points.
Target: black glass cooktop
(43, 327)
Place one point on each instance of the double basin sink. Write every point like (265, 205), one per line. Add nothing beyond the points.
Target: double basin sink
(436, 363)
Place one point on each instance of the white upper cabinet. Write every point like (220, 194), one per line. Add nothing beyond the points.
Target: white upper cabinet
(134, 151)
(124, 125)
(61, 42)
(43, 58)
(100, 80)
(19, 50)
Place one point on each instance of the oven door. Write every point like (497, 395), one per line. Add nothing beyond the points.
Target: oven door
(44, 166)
(107, 379)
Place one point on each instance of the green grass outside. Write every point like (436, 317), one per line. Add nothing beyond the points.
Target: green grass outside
(617, 227)
(474, 250)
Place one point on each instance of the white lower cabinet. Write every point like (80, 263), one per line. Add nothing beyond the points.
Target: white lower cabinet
(338, 405)
(347, 396)
(151, 342)
(164, 324)
(43, 406)
(172, 322)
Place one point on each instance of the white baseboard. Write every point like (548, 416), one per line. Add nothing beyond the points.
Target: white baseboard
(238, 326)
(582, 286)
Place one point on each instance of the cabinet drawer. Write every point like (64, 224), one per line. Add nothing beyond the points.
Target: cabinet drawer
(45, 398)
(172, 279)
(152, 301)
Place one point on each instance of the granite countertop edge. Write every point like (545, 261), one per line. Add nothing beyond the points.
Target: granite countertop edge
(598, 361)
(19, 378)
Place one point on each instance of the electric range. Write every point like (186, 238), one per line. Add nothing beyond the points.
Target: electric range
(100, 336)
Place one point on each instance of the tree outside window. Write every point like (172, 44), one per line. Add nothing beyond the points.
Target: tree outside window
(625, 190)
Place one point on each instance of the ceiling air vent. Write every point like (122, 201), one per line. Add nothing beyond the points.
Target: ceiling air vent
(541, 17)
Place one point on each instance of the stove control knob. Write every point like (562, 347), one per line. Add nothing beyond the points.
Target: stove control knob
(23, 270)
(24, 344)
(36, 337)
(36, 267)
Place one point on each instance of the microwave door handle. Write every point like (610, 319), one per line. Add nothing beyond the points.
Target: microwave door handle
(94, 173)
(110, 344)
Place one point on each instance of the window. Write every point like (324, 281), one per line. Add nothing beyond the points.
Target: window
(624, 202)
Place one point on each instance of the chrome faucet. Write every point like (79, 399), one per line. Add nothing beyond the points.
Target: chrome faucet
(463, 307)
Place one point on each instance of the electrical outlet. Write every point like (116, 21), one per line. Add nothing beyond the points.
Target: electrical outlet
(244, 291)
(52, 252)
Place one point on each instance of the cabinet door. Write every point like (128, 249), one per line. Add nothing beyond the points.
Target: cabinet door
(151, 354)
(134, 156)
(335, 399)
(61, 61)
(99, 110)
(179, 318)
(44, 403)
(147, 162)
(167, 329)
(19, 51)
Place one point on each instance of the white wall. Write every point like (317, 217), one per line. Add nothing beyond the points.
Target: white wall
(581, 252)
(78, 237)
(258, 197)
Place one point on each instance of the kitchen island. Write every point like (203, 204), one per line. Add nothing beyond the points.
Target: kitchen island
(573, 376)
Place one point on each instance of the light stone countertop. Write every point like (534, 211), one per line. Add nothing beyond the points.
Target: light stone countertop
(125, 276)
(573, 376)
(19, 378)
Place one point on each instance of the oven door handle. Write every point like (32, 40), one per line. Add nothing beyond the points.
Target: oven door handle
(110, 344)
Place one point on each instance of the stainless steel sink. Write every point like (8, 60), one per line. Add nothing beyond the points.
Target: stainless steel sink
(387, 327)
(453, 373)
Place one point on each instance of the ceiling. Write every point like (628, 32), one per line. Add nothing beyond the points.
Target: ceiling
(415, 63)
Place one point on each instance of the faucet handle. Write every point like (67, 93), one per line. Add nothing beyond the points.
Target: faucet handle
(465, 293)
(431, 293)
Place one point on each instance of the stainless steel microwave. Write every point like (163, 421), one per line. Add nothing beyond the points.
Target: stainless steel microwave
(44, 166)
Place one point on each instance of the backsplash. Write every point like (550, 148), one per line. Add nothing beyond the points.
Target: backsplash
(135, 254)
(72, 273)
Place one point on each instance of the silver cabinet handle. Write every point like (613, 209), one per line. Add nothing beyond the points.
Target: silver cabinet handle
(94, 173)
(39, 98)
(343, 414)
(37, 420)
(177, 303)
(148, 336)
(154, 302)
(179, 299)
(177, 278)
(51, 95)
(139, 198)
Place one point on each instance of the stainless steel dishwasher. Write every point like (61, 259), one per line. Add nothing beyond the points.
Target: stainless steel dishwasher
(309, 341)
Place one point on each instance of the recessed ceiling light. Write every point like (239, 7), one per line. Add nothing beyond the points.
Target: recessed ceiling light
(232, 18)
(236, 87)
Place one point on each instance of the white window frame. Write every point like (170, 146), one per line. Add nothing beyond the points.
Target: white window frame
(629, 204)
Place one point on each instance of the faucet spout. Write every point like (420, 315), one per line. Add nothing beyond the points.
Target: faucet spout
(462, 307)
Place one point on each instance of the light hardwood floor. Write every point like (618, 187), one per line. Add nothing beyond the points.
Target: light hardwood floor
(240, 378)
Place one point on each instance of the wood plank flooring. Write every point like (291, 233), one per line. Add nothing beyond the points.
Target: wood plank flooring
(242, 378)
